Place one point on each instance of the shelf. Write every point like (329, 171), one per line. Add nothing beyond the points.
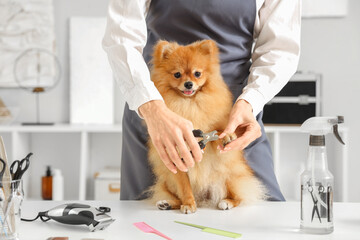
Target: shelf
(63, 128)
(91, 128)
(78, 145)
(269, 128)
(272, 128)
(63, 145)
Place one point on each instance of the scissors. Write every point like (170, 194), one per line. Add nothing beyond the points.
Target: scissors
(2, 196)
(18, 168)
(206, 137)
(315, 201)
(3, 164)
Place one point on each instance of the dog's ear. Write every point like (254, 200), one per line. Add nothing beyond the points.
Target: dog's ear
(163, 49)
(207, 47)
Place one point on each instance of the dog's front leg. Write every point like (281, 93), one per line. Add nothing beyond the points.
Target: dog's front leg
(185, 193)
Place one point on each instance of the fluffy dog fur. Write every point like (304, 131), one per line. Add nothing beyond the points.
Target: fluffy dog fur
(223, 180)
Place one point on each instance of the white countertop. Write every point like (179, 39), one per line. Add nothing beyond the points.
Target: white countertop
(267, 220)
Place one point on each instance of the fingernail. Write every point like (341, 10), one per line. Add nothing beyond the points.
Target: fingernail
(174, 171)
(227, 148)
(222, 135)
(202, 151)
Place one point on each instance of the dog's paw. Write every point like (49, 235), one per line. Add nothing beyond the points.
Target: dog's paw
(228, 139)
(187, 209)
(225, 205)
(163, 205)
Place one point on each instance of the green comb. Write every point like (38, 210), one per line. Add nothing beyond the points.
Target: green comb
(213, 230)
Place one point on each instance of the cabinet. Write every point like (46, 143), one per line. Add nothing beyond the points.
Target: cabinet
(290, 148)
(81, 150)
(78, 150)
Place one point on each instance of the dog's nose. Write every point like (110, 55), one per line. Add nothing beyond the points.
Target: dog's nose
(188, 85)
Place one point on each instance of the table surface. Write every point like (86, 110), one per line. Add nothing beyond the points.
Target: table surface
(265, 220)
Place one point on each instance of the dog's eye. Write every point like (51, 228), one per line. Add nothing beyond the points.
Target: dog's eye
(177, 75)
(197, 74)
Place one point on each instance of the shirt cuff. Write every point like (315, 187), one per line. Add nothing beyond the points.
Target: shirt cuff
(255, 98)
(137, 98)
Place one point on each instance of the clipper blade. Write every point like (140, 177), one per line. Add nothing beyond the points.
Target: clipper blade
(101, 224)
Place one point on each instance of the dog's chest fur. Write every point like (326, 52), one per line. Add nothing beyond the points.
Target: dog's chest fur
(207, 178)
(198, 110)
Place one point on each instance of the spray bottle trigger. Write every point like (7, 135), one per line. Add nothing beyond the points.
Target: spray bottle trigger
(340, 119)
(337, 135)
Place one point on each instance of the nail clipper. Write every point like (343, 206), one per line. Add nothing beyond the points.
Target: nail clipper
(206, 137)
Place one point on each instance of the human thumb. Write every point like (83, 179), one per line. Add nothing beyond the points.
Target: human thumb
(231, 127)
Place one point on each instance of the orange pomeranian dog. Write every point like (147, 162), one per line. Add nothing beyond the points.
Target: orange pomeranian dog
(190, 81)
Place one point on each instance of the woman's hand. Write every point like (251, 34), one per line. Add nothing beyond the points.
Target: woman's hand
(243, 123)
(169, 132)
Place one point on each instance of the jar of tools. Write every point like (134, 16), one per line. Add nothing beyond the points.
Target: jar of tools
(11, 197)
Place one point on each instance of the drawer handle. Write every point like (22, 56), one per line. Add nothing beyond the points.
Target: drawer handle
(114, 187)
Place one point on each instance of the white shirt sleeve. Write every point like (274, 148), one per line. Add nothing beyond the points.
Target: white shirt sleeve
(276, 52)
(274, 59)
(124, 40)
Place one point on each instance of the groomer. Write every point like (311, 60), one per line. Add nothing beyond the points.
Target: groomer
(254, 75)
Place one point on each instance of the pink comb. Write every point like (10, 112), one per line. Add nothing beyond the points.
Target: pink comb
(148, 229)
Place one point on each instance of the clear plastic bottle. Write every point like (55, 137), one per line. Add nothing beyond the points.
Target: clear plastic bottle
(57, 186)
(317, 184)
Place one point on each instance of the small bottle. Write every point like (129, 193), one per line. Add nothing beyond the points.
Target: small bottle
(57, 186)
(46, 185)
(317, 182)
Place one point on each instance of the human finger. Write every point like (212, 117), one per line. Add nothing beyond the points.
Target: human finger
(193, 145)
(184, 151)
(165, 157)
(244, 140)
(230, 128)
(174, 156)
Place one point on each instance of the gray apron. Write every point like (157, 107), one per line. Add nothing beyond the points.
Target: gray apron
(231, 24)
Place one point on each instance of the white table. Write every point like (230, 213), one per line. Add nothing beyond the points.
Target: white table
(267, 220)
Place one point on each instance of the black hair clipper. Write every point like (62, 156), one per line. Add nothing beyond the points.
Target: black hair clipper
(78, 214)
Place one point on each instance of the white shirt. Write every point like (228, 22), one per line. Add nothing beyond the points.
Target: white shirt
(274, 60)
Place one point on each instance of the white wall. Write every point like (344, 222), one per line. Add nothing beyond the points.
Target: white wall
(330, 46)
(54, 105)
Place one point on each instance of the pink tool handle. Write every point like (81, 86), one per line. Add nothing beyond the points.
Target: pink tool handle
(162, 235)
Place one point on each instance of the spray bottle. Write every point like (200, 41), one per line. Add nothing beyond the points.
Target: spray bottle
(317, 182)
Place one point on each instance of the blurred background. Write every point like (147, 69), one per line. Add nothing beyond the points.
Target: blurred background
(81, 98)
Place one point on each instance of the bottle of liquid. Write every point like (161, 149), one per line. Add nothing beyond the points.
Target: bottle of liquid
(46, 185)
(317, 182)
(57, 186)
